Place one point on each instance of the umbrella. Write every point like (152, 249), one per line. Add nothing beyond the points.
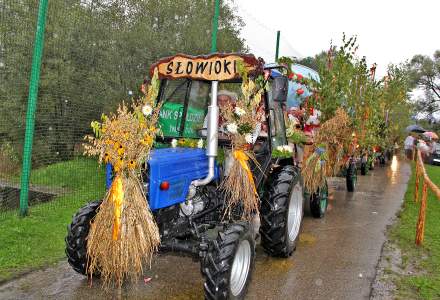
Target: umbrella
(431, 134)
(415, 128)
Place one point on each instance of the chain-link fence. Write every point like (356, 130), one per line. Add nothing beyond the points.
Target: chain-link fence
(96, 53)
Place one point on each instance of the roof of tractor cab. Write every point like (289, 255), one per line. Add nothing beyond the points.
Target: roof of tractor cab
(213, 67)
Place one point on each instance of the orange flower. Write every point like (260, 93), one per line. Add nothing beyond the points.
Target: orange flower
(106, 157)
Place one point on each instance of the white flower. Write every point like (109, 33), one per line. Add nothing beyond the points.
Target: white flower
(174, 143)
(249, 138)
(285, 148)
(147, 110)
(239, 111)
(288, 148)
(200, 144)
(232, 128)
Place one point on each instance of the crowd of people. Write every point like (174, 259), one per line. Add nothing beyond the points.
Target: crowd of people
(424, 144)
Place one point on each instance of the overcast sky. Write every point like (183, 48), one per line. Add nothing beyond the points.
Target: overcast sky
(389, 31)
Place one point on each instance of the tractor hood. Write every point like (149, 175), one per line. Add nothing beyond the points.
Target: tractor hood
(171, 172)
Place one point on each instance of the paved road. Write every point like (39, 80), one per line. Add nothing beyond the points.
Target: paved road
(335, 259)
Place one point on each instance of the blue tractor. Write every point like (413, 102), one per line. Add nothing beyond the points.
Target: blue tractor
(182, 184)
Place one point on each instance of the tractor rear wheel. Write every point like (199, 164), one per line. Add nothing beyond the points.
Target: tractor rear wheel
(228, 266)
(76, 239)
(281, 213)
(319, 202)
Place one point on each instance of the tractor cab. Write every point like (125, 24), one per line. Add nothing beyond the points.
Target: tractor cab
(192, 93)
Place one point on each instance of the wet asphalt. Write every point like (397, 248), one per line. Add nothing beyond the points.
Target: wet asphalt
(336, 257)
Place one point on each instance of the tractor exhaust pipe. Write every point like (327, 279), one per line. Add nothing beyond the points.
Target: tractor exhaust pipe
(211, 137)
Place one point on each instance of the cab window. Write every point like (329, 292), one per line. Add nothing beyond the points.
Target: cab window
(184, 106)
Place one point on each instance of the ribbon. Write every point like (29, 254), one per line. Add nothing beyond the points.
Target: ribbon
(242, 158)
(117, 197)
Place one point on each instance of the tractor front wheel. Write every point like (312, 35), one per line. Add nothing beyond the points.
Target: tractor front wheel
(228, 266)
(76, 239)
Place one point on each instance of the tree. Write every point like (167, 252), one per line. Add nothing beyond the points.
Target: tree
(425, 75)
(313, 62)
(94, 53)
(379, 110)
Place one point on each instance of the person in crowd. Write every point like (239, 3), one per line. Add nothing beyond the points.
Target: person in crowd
(409, 146)
(224, 98)
(424, 149)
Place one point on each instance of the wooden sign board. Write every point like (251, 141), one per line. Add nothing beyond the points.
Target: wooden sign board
(218, 66)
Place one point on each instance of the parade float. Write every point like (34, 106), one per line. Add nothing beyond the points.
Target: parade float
(187, 176)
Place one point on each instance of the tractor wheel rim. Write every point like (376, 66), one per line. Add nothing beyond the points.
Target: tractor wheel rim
(295, 212)
(240, 267)
(323, 205)
(324, 199)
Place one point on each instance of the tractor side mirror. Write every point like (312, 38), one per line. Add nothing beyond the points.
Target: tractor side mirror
(279, 89)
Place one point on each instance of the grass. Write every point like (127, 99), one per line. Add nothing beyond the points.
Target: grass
(38, 239)
(423, 263)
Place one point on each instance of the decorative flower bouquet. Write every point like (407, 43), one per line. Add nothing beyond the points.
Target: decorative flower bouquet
(294, 135)
(284, 151)
(124, 234)
(242, 121)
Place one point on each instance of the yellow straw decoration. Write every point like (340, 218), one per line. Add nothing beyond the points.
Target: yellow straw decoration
(242, 158)
(117, 197)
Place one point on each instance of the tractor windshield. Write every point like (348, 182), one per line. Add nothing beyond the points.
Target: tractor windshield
(184, 106)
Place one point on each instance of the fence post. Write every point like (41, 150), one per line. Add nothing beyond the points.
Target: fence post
(215, 26)
(32, 105)
(420, 232)
(416, 188)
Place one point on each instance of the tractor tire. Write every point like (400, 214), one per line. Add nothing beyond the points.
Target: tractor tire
(281, 213)
(76, 239)
(351, 177)
(319, 202)
(228, 266)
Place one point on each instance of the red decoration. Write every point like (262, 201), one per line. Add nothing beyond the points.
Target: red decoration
(300, 91)
(299, 77)
(291, 75)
